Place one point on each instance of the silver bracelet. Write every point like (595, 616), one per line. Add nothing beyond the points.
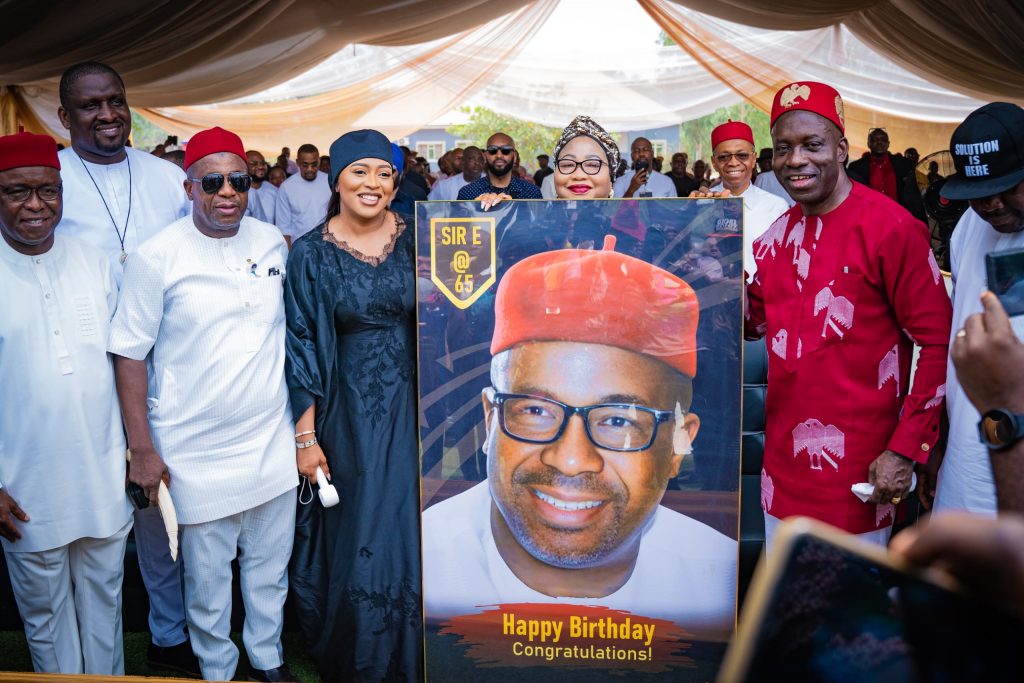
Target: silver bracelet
(306, 444)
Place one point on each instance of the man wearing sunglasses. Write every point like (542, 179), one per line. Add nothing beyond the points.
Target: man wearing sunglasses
(500, 158)
(116, 198)
(198, 340)
(732, 155)
(588, 420)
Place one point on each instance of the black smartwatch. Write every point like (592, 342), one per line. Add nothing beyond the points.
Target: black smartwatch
(999, 429)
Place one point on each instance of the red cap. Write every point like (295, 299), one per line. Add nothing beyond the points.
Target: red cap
(28, 149)
(212, 141)
(732, 130)
(598, 297)
(819, 98)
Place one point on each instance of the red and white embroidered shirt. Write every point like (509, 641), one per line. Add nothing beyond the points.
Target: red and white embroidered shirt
(842, 298)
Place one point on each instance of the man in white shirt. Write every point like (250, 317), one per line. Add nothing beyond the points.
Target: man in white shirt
(768, 181)
(262, 195)
(732, 155)
(198, 339)
(302, 199)
(586, 426)
(472, 161)
(64, 516)
(116, 198)
(642, 180)
(547, 187)
(988, 153)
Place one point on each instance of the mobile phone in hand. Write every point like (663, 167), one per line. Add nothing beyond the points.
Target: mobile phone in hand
(1005, 271)
(137, 495)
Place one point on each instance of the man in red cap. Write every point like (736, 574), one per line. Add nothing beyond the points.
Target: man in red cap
(846, 285)
(198, 340)
(64, 516)
(732, 155)
(588, 420)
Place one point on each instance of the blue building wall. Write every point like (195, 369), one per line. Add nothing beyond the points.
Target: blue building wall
(432, 135)
(669, 134)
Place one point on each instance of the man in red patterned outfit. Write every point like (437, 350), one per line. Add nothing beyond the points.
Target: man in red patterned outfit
(846, 284)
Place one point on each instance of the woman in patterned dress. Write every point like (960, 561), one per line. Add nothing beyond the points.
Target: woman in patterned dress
(350, 301)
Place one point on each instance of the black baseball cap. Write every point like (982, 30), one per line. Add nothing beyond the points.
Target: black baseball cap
(988, 152)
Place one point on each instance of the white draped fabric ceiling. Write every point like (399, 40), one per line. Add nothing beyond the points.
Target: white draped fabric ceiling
(550, 60)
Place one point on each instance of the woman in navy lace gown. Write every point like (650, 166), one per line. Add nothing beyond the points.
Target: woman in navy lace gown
(350, 300)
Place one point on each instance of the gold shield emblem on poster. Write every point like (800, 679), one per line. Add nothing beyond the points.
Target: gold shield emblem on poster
(462, 257)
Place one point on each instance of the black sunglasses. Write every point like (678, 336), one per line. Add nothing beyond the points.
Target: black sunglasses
(212, 182)
(507, 150)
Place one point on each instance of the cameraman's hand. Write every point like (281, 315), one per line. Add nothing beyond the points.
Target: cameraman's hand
(986, 555)
(989, 359)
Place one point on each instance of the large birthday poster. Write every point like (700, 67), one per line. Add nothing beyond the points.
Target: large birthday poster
(579, 386)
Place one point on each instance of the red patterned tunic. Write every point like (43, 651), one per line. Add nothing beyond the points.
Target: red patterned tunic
(842, 299)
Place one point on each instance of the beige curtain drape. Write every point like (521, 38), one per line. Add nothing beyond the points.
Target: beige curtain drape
(430, 83)
(175, 55)
(757, 79)
(181, 52)
(973, 47)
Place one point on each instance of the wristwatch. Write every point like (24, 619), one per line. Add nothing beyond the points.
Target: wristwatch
(1000, 429)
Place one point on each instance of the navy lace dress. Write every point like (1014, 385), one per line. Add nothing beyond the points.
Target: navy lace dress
(355, 572)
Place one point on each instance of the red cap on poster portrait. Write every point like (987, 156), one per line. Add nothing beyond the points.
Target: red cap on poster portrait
(823, 100)
(598, 297)
(28, 149)
(212, 141)
(731, 130)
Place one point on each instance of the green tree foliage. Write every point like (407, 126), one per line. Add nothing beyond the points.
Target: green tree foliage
(695, 135)
(531, 138)
(146, 135)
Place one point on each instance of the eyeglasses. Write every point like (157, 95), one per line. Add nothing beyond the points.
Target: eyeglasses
(212, 182)
(19, 194)
(569, 166)
(726, 157)
(507, 150)
(622, 427)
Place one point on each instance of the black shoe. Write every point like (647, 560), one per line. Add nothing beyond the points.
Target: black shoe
(177, 658)
(281, 674)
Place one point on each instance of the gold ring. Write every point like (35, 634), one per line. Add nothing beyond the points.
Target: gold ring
(896, 500)
(961, 333)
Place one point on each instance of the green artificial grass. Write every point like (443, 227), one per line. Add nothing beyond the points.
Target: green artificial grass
(14, 656)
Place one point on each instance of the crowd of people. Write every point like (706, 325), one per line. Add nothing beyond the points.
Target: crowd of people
(235, 326)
